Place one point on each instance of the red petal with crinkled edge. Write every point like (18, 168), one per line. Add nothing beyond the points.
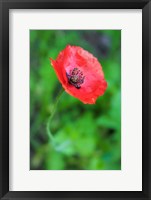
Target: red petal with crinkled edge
(94, 84)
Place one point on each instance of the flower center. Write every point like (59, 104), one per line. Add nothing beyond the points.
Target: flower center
(75, 77)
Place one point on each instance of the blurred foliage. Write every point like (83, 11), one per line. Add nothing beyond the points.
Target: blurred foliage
(88, 136)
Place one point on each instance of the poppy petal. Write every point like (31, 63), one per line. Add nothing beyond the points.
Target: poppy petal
(80, 74)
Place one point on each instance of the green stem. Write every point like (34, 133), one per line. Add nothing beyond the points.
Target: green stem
(51, 138)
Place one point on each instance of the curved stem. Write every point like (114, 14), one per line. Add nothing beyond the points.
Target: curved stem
(51, 138)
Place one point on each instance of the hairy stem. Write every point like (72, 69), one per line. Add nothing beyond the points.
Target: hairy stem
(51, 138)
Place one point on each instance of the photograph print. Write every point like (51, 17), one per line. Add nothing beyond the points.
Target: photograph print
(75, 99)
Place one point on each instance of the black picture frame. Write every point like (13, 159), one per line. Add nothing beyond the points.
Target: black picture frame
(5, 5)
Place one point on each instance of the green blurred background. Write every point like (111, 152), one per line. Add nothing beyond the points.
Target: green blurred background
(88, 137)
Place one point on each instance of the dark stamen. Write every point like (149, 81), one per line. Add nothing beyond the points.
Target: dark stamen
(75, 77)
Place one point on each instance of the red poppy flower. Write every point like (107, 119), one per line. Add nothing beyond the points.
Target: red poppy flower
(80, 74)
